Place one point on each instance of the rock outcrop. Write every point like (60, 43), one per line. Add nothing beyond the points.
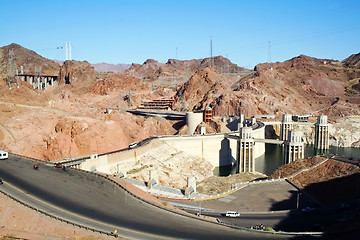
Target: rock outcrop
(353, 61)
(342, 133)
(122, 82)
(152, 69)
(74, 71)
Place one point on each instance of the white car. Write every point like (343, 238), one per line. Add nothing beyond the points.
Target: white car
(232, 214)
(4, 155)
(132, 145)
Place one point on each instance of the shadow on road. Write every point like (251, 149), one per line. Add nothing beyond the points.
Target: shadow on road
(339, 215)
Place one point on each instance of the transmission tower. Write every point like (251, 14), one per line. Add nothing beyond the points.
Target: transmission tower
(128, 96)
(12, 70)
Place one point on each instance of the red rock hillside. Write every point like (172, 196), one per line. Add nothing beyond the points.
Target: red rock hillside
(302, 85)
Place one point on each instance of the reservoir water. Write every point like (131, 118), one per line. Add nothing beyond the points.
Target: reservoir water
(274, 158)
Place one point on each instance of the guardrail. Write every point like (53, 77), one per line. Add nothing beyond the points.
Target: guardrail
(56, 217)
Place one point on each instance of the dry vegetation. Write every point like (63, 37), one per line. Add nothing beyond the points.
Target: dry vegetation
(216, 185)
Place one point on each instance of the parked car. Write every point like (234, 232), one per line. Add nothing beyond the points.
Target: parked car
(1, 182)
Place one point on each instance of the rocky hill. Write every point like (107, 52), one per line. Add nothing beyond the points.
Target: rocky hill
(152, 69)
(302, 85)
(353, 61)
(28, 59)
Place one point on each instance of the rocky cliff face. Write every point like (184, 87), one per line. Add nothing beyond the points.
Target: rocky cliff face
(342, 133)
(345, 133)
(353, 61)
(74, 71)
(122, 82)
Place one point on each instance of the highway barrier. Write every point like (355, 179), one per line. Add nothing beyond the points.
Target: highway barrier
(53, 216)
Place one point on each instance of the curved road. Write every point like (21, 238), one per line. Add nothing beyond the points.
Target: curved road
(98, 203)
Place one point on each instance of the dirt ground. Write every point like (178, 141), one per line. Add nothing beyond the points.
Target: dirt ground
(21, 222)
(329, 183)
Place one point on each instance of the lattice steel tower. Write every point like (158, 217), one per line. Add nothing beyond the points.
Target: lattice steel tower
(11, 71)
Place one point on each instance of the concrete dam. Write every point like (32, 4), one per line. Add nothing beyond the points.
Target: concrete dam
(217, 149)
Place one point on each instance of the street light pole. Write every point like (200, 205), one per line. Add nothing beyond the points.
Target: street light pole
(297, 200)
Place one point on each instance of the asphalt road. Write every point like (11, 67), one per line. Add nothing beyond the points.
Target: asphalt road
(95, 202)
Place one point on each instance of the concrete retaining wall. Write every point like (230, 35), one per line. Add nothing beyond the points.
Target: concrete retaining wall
(215, 148)
(118, 161)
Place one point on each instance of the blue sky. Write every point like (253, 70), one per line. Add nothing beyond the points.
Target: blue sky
(116, 31)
